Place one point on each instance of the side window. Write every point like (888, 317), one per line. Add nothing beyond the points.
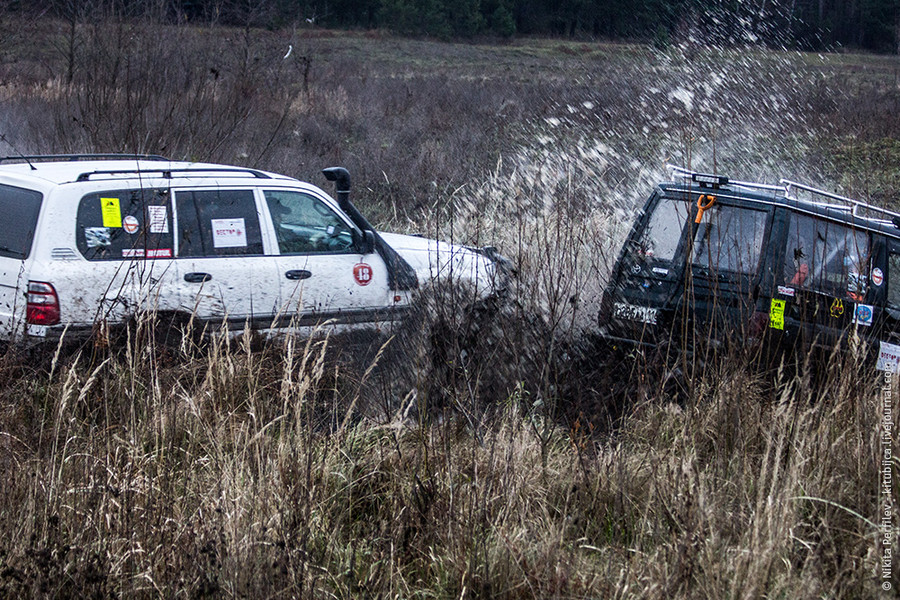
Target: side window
(217, 223)
(730, 239)
(120, 224)
(20, 209)
(660, 238)
(304, 224)
(826, 257)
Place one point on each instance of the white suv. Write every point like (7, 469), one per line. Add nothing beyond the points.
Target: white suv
(91, 239)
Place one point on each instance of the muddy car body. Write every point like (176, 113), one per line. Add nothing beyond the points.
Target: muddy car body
(722, 261)
(98, 239)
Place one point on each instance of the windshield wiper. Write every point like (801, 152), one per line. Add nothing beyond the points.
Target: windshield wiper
(18, 253)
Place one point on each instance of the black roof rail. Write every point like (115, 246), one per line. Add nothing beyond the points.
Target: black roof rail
(77, 157)
(167, 173)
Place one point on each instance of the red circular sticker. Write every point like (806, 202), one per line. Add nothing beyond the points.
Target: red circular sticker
(130, 224)
(877, 276)
(362, 273)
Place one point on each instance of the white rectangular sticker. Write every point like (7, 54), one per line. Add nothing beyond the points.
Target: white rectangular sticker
(786, 291)
(888, 357)
(229, 233)
(159, 221)
(152, 253)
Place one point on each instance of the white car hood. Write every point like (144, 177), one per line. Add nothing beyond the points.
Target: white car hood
(435, 261)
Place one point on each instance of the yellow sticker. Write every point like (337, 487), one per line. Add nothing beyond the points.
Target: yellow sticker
(837, 308)
(112, 214)
(776, 314)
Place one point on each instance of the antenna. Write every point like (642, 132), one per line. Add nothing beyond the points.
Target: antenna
(4, 139)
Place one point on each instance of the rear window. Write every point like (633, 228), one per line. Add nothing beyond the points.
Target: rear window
(826, 257)
(119, 224)
(730, 238)
(20, 209)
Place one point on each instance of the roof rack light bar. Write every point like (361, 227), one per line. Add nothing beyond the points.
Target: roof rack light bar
(704, 178)
(167, 173)
(77, 157)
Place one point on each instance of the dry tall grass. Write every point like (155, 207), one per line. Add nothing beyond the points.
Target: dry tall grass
(218, 471)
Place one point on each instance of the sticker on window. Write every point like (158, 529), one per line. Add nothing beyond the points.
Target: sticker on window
(877, 277)
(112, 214)
(153, 253)
(837, 308)
(864, 314)
(96, 237)
(776, 314)
(229, 233)
(159, 219)
(130, 224)
(786, 291)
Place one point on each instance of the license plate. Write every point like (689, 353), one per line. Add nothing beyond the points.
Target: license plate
(630, 312)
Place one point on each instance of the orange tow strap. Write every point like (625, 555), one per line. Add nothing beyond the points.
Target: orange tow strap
(701, 208)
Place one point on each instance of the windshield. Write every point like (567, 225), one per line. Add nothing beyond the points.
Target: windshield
(660, 238)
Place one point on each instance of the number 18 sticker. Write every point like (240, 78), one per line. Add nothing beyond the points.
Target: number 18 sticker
(362, 273)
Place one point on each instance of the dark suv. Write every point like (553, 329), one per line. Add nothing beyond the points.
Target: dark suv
(710, 259)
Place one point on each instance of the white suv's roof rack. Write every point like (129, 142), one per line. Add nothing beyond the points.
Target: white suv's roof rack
(29, 158)
(198, 171)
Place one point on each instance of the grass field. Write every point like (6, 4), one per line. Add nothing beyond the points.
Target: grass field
(535, 467)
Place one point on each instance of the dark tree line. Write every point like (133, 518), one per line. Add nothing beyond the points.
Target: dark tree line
(805, 24)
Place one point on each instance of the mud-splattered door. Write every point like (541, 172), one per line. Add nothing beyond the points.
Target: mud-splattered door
(222, 269)
(20, 208)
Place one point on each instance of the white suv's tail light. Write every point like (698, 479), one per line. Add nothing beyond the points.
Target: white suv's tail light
(43, 304)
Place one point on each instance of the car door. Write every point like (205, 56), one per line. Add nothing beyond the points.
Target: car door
(222, 268)
(824, 286)
(323, 273)
(125, 235)
(888, 282)
(20, 209)
(725, 257)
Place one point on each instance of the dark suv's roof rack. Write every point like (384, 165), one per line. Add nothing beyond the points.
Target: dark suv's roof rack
(77, 157)
(167, 173)
(786, 186)
(855, 205)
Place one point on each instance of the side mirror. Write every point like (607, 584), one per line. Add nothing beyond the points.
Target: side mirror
(366, 242)
(369, 241)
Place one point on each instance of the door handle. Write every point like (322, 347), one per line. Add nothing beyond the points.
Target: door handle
(297, 274)
(197, 277)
